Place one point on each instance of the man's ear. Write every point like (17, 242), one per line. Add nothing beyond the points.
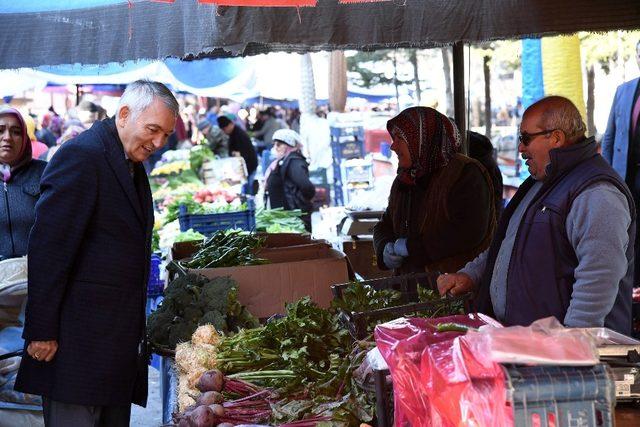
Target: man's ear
(559, 138)
(123, 115)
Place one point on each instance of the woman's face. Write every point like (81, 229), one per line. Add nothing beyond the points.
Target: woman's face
(10, 139)
(281, 148)
(401, 149)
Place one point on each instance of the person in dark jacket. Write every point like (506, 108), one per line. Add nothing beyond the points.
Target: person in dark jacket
(89, 256)
(20, 176)
(287, 178)
(240, 145)
(481, 149)
(44, 134)
(441, 210)
(564, 245)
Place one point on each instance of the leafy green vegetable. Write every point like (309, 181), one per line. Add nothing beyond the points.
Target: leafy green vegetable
(279, 221)
(227, 249)
(191, 300)
(358, 297)
(189, 236)
(198, 155)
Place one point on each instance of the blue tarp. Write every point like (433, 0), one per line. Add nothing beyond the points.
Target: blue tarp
(38, 6)
(532, 80)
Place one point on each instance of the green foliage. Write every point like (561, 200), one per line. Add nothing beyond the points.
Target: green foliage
(361, 65)
(191, 300)
(227, 249)
(279, 221)
(358, 297)
(608, 48)
(198, 155)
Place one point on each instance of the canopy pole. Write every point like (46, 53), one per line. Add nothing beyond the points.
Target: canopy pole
(459, 103)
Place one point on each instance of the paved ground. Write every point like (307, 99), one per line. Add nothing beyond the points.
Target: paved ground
(151, 416)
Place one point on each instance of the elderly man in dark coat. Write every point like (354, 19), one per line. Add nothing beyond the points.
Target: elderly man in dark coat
(89, 253)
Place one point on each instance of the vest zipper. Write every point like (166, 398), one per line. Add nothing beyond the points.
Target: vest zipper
(6, 199)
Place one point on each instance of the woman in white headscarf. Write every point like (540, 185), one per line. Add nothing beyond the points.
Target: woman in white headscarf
(287, 178)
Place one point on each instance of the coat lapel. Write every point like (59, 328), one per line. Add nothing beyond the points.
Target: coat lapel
(627, 103)
(115, 157)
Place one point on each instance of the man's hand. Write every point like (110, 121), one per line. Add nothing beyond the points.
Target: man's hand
(42, 351)
(456, 283)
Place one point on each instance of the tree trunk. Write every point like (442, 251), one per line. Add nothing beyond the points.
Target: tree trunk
(413, 58)
(307, 100)
(395, 79)
(446, 68)
(487, 96)
(591, 86)
(337, 81)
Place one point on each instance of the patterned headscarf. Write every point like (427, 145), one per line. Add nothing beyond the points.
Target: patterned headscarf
(24, 155)
(431, 137)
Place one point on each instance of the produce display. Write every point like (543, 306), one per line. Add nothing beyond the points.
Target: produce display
(189, 236)
(191, 300)
(360, 297)
(305, 359)
(227, 249)
(204, 201)
(279, 221)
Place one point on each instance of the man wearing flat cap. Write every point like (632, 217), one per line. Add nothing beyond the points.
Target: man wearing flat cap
(240, 145)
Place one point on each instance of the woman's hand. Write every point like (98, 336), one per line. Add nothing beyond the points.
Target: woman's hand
(390, 258)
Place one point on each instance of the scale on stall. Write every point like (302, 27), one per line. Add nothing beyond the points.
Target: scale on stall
(360, 223)
(622, 354)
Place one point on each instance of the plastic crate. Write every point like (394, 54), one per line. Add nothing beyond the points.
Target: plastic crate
(318, 176)
(168, 388)
(338, 132)
(155, 285)
(208, 224)
(357, 323)
(347, 150)
(561, 396)
(541, 396)
(322, 196)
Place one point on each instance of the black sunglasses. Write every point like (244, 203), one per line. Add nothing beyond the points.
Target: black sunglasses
(526, 138)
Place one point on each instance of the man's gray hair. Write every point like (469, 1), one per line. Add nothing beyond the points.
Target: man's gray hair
(559, 112)
(141, 93)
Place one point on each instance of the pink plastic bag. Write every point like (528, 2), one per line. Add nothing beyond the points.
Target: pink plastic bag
(437, 381)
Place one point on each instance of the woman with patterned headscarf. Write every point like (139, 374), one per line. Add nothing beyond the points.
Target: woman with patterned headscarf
(441, 212)
(19, 184)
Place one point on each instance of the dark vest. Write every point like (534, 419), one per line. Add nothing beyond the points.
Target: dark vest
(540, 277)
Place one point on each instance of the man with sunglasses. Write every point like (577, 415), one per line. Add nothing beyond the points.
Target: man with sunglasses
(564, 245)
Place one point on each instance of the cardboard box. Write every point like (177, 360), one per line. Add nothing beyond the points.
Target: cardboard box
(265, 289)
(182, 250)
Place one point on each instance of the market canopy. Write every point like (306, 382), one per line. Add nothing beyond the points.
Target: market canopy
(42, 32)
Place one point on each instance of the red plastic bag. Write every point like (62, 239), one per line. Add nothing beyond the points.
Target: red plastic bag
(437, 381)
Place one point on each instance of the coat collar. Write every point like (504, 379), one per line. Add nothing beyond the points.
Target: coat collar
(566, 158)
(114, 152)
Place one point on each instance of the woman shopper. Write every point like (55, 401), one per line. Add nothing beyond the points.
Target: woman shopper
(20, 176)
(441, 212)
(287, 178)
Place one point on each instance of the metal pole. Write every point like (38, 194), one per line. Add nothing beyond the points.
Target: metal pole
(459, 104)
